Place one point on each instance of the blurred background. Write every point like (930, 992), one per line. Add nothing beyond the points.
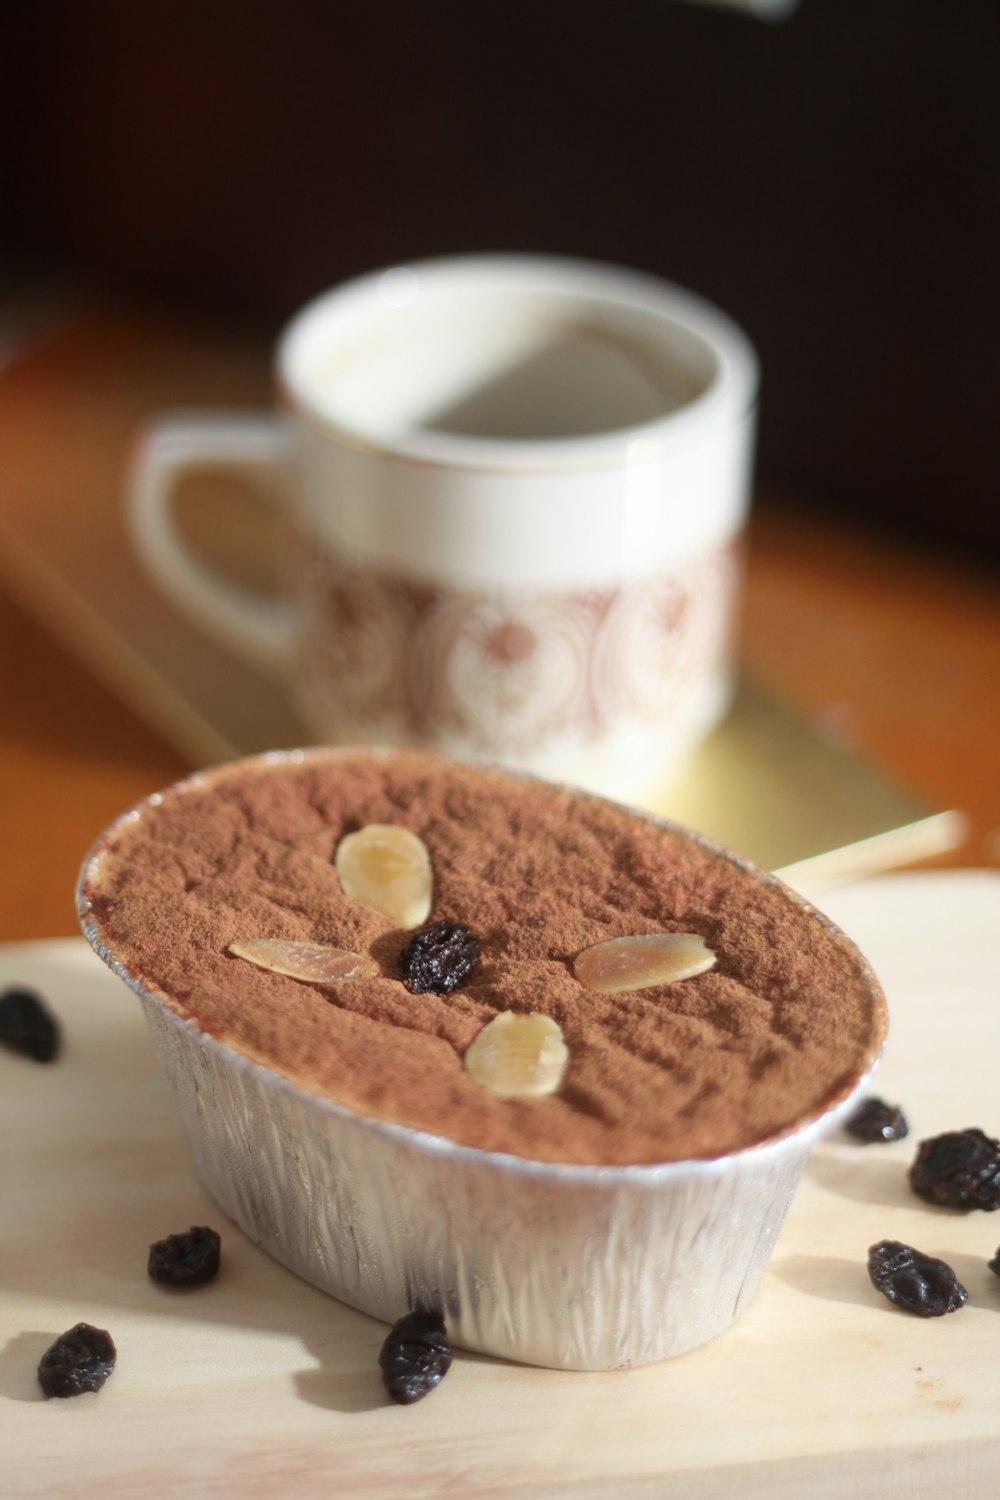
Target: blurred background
(179, 177)
(830, 179)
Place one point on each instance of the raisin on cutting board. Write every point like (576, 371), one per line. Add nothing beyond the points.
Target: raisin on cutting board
(188, 1259)
(80, 1360)
(875, 1120)
(917, 1282)
(415, 1357)
(28, 1026)
(959, 1169)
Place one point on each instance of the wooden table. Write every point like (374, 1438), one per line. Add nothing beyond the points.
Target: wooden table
(893, 649)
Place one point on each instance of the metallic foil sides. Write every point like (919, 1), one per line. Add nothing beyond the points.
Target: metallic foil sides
(584, 1268)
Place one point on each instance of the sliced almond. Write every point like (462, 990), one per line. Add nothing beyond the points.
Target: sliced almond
(388, 869)
(313, 962)
(635, 963)
(518, 1056)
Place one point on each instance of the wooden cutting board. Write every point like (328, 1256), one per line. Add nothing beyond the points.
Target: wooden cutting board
(258, 1385)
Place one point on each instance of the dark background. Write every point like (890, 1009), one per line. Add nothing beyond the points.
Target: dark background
(831, 181)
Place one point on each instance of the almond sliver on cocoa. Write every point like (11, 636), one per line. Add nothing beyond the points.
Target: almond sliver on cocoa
(387, 868)
(314, 963)
(637, 963)
(518, 1056)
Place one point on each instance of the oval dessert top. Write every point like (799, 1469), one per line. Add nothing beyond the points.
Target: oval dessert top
(777, 1031)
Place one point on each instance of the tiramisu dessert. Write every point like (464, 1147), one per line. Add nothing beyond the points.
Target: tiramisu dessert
(489, 962)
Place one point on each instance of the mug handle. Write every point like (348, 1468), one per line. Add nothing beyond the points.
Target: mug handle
(183, 443)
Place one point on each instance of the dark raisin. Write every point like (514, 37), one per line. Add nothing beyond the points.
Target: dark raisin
(994, 1264)
(415, 1357)
(960, 1169)
(27, 1026)
(877, 1121)
(438, 957)
(185, 1259)
(921, 1284)
(79, 1360)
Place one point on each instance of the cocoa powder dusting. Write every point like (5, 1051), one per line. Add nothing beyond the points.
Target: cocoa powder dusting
(707, 1065)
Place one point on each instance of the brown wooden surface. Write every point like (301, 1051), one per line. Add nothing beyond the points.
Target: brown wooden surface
(894, 648)
(896, 651)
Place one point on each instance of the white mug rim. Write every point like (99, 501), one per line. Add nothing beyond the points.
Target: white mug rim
(728, 399)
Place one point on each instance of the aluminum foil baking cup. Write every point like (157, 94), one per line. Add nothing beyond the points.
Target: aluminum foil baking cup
(572, 1267)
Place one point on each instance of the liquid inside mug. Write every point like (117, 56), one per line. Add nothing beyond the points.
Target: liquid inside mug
(516, 487)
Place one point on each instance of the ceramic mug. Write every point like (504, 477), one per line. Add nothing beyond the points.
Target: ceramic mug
(516, 487)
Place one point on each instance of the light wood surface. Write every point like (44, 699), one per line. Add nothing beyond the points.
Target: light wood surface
(258, 1385)
(891, 651)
